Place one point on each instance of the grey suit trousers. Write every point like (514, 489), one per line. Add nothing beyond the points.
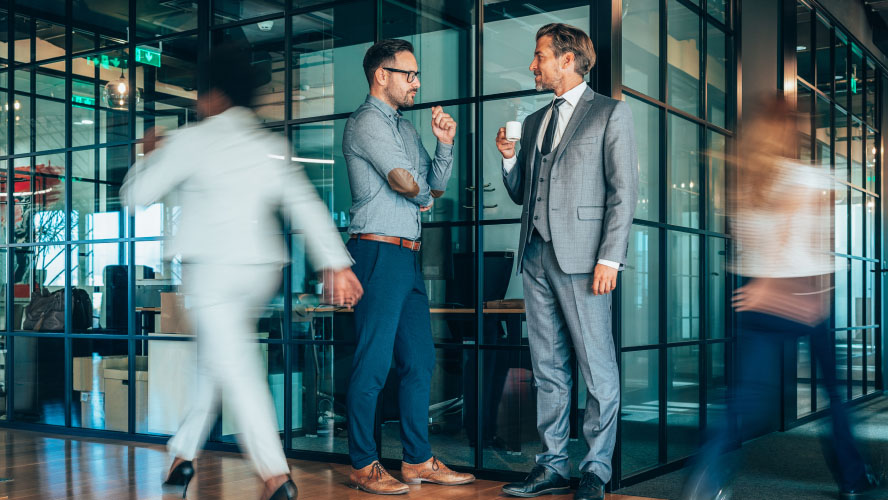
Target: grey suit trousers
(562, 311)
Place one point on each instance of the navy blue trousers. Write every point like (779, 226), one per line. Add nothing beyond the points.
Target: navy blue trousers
(760, 340)
(392, 318)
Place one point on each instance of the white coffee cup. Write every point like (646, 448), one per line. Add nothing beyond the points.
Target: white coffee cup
(513, 131)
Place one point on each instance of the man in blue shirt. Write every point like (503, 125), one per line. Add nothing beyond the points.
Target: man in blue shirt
(392, 180)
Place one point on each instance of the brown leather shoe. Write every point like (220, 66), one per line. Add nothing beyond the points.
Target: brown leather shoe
(375, 479)
(433, 471)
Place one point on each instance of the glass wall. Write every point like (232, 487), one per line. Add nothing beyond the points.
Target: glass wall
(678, 75)
(68, 136)
(844, 80)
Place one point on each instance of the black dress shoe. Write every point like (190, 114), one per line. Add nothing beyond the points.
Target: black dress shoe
(540, 481)
(591, 488)
(181, 476)
(287, 491)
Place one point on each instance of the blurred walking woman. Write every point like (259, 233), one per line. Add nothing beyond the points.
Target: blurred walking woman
(780, 223)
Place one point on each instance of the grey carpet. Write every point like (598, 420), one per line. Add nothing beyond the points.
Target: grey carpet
(788, 465)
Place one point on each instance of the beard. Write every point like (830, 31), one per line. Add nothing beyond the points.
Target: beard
(405, 100)
(542, 85)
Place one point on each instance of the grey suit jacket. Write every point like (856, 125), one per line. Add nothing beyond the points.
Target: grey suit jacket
(593, 185)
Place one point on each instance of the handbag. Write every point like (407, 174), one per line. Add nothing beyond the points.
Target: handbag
(46, 311)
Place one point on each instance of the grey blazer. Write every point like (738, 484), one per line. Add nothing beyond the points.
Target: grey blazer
(593, 186)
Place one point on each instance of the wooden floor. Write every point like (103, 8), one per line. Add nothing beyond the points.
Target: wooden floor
(48, 467)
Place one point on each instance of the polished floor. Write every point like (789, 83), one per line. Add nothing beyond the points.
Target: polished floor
(39, 466)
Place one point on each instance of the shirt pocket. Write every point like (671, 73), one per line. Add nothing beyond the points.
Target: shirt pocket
(590, 213)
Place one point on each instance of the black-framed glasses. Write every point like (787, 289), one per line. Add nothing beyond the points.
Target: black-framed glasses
(411, 75)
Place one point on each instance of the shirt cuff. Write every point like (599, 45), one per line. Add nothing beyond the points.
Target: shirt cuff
(443, 150)
(509, 163)
(609, 263)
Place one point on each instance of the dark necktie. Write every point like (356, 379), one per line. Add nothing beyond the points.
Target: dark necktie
(549, 137)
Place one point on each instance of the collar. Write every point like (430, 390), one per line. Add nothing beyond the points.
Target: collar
(388, 111)
(574, 95)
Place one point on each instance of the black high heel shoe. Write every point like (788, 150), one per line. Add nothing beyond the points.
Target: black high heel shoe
(287, 491)
(181, 476)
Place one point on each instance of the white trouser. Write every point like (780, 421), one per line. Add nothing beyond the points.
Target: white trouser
(229, 363)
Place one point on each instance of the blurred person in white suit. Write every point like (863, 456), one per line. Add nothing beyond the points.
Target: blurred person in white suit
(231, 179)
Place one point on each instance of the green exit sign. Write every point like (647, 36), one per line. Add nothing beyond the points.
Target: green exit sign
(148, 56)
(88, 101)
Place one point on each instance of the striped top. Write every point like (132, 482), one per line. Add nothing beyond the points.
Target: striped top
(791, 237)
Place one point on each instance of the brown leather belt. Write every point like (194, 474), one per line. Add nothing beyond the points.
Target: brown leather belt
(394, 240)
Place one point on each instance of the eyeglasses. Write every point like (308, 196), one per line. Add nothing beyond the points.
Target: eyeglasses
(411, 75)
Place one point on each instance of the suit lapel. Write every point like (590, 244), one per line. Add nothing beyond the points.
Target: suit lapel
(579, 114)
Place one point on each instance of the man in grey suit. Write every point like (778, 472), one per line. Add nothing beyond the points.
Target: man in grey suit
(576, 175)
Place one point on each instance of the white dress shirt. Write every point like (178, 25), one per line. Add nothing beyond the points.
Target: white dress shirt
(565, 111)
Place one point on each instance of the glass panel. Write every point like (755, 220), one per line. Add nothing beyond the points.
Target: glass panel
(803, 377)
(871, 373)
(458, 199)
(684, 172)
(511, 406)
(34, 268)
(84, 107)
(869, 169)
(804, 64)
(718, 325)
(169, 92)
(716, 199)
(100, 385)
(4, 218)
(641, 288)
(856, 81)
(39, 384)
(114, 96)
(39, 199)
(5, 114)
(683, 55)
(843, 167)
(21, 131)
(857, 221)
(267, 47)
(496, 114)
(823, 134)
(320, 385)
(840, 312)
(272, 360)
(822, 395)
(100, 270)
(447, 258)
(4, 48)
(682, 401)
(841, 69)
(858, 293)
(857, 166)
(4, 283)
(871, 84)
(3, 379)
(49, 124)
(318, 148)
(647, 133)
(227, 11)
(717, 75)
(158, 283)
(328, 50)
(50, 41)
(870, 220)
(510, 39)
(97, 211)
(804, 107)
(501, 281)
(442, 36)
(640, 411)
(450, 383)
(842, 363)
(50, 80)
(825, 77)
(840, 224)
(683, 299)
(641, 47)
(718, 366)
(718, 9)
(23, 27)
(170, 363)
(869, 294)
(162, 18)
